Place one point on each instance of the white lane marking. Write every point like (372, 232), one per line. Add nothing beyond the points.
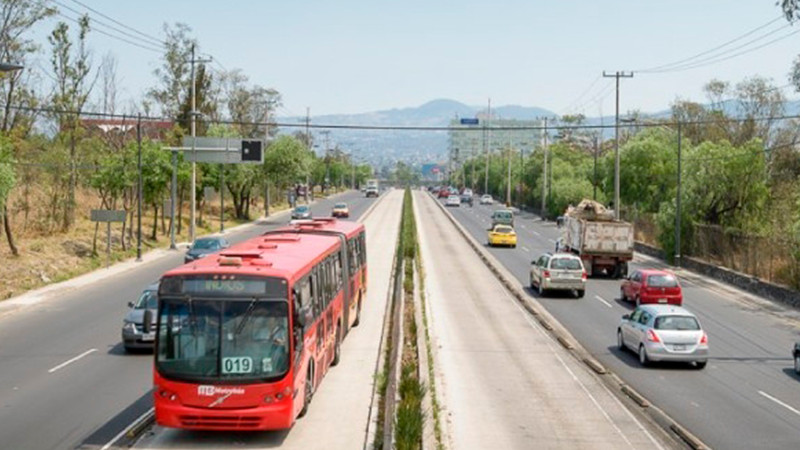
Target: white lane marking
(526, 248)
(552, 240)
(536, 233)
(62, 365)
(602, 300)
(523, 226)
(128, 428)
(789, 407)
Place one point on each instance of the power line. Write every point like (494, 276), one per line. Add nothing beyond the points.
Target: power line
(586, 91)
(725, 44)
(714, 61)
(145, 35)
(93, 20)
(142, 46)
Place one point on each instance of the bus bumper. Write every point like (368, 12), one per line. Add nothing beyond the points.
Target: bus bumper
(277, 416)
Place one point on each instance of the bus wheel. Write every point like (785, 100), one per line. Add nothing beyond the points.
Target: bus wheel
(337, 347)
(309, 392)
(358, 313)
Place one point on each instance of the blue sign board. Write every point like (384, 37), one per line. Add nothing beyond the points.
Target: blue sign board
(468, 121)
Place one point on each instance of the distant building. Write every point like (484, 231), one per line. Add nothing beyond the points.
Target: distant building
(433, 172)
(469, 140)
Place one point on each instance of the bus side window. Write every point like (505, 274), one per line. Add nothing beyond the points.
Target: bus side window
(337, 270)
(362, 241)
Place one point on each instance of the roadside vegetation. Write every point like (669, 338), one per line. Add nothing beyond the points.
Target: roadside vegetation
(740, 173)
(69, 145)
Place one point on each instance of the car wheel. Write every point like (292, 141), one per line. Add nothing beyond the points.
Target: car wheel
(797, 364)
(620, 340)
(700, 365)
(541, 289)
(622, 295)
(580, 293)
(643, 359)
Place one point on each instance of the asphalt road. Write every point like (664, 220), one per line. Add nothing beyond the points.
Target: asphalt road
(747, 397)
(65, 381)
(503, 381)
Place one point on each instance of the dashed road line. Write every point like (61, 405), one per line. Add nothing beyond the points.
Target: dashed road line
(789, 407)
(70, 361)
(525, 248)
(603, 301)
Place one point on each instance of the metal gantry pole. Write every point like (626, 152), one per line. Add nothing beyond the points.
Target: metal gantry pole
(139, 188)
(174, 195)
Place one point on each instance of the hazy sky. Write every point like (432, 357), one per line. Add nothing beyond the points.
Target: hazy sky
(348, 56)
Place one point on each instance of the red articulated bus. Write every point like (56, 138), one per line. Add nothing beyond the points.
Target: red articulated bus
(244, 337)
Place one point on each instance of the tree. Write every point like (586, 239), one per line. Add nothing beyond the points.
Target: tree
(287, 161)
(71, 69)
(174, 75)
(7, 180)
(16, 19)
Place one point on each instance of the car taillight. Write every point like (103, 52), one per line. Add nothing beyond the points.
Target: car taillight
(652, 336)
(546, 274)
(704, 339)
(584, 275)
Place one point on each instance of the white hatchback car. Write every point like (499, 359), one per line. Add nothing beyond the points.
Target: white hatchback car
(486, 199)
(664, 333)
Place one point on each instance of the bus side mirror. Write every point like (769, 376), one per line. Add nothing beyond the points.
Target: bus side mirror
(148, 321)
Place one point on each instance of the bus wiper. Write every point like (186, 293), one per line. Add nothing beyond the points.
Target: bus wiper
(246, 316)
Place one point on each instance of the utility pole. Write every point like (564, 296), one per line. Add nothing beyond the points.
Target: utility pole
(139, 188)
(594, 182)
(266, 144)
(193, 113)
(308, 147)
(678, 206)
(486, 147)
(544, 170)
(174, 195)
(617, 75)
(508, 175)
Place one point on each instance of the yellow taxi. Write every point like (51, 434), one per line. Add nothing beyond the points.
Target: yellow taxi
(340, 210)
(502, 235)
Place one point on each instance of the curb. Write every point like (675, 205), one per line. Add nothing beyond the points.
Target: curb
(616, 385)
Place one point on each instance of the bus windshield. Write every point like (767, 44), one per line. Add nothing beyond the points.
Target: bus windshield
(223, 340)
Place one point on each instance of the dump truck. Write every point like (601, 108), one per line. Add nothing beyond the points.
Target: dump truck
(604, 244)
(372, 188)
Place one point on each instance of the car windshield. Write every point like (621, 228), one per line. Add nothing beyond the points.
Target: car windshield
(662, 281)
(206, 244)
(676, 323)
(301, 209)
(208, 340)
(504, 230)
(148, 300)
(565, 264)
(502, 215)
(486, 197)
(340, 205)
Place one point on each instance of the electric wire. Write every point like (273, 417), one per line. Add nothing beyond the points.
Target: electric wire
(93, 20)
(155, 40)
(142, 46)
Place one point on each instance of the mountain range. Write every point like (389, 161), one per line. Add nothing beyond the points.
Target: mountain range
(383, 148)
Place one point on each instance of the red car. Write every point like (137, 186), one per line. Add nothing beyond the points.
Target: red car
(652, 286)
(444, 193)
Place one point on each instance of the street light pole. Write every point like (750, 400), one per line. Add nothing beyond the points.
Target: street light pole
(486, 138)
(678, 206)
(193, 113)
(544, 170)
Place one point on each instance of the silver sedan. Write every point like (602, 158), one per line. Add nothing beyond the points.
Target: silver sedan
(664, 333)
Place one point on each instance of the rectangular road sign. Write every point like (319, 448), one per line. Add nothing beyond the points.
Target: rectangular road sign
(223, 150)
(107, 215)
(213, 156)
(469, 121)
